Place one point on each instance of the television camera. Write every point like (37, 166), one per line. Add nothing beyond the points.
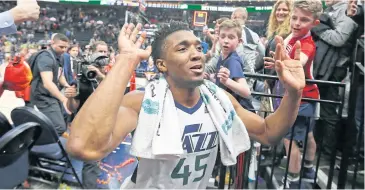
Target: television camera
(85, 76)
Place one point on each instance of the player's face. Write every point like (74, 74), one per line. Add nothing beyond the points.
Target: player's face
(183, 60)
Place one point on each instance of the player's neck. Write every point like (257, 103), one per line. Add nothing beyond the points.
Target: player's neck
(187, 97)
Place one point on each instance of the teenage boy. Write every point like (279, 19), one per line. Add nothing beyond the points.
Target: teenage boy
(304, 17)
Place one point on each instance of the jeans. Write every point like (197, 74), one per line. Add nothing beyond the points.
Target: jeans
(55, 114)
(90, 174)
(329, 114)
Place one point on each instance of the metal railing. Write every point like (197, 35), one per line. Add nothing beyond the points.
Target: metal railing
(268, 170)
(357, 69)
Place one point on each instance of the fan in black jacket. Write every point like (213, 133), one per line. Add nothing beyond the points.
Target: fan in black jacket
(326, 55)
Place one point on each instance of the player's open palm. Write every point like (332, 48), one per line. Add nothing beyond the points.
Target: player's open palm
(128, 42)
(290, 71)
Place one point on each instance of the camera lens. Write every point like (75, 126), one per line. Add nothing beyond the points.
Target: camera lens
(91, 75)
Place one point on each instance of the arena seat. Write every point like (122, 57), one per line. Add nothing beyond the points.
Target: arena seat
(14, 150)
(49, 152)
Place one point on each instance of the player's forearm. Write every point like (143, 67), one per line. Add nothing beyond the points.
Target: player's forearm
(278, 123)
(93, 125)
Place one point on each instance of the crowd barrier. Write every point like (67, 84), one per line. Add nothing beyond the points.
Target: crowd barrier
(266, 170)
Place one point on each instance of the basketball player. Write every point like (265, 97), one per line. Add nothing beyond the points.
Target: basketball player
(108, 115)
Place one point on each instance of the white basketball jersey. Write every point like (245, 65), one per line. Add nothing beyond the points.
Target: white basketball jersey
(200, 143)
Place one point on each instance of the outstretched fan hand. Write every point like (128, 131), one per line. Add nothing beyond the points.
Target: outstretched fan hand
(290, 71)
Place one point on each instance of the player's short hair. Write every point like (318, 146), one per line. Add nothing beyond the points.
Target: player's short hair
(158, 45)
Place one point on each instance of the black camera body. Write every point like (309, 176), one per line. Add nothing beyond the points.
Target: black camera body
(85, 76)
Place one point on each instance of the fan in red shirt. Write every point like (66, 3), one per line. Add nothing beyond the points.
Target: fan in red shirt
(308, 47)
(304, 17)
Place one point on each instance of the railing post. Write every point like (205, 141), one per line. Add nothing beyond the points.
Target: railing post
(351, 123)
(336, 102)
(337, 135)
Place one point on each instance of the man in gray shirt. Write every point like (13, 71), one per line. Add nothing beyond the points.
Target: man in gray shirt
(45, 94)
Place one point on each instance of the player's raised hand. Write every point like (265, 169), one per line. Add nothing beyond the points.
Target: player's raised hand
(128, 42)
(290, 71)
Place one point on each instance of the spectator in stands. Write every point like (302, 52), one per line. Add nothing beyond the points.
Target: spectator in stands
(240, 14)
(45, 94)
(151, 70)
(2, 55)
(86, 50)
(336, 33)
(304, 17)
(68, 75)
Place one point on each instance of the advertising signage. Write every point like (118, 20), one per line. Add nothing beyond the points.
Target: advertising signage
(200, 18)
(165, 5)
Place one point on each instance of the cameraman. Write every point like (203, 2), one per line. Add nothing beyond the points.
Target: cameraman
(90, 170)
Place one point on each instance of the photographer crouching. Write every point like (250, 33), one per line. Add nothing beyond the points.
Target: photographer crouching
(90, 71)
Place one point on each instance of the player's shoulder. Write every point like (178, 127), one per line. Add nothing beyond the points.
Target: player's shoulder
(133, 100)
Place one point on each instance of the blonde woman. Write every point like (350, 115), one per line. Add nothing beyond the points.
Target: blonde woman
(279, 21)
(279, 24)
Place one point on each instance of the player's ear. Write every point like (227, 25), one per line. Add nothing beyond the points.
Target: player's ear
(161, 65)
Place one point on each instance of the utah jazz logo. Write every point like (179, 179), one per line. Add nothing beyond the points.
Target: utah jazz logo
(194, 141)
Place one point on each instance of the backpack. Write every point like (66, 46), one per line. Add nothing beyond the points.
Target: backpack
(25, 93)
